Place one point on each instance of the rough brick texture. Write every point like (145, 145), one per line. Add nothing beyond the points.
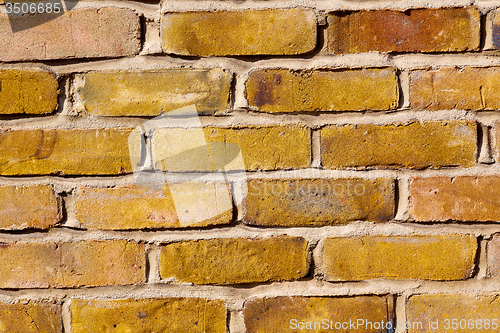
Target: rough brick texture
(316, 202)
(28, 91)
(23, 207)
(283, 90)
(68, 265)
(30, 317)
(148, 315)
(446, 257)
(80, 33)
(413, 145)
(412, 30)
(494, 255)
(248, 32)
(235, 260)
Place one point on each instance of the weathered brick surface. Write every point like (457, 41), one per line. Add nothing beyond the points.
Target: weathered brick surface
(135, 207)
(235, 260)
(469, 88)
(413, 30)
(35, 206)
(248, 32)
(493, 252)
(285, 314)
(496, 30)
(283, 90)
(64, 151)
(413, 145)
(30, 317)
(447, 257)
(28, 91)
(261, 148)
(149, 93)
(80, 33)
(461, 198)
(68, 265)
(475, 309)
(148, 315)
(315, 202)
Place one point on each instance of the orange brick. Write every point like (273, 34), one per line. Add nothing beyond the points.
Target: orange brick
(31, 317)
(69, 265)
(462, 198)
(23, 207)
(283, 90)
(80, 33)
(316, 202)
(235, 260)
(432, 144)
(248, 32)
(412, 30)
(64, 151)
(446, 257)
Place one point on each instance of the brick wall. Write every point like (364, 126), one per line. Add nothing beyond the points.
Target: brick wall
(339, 171)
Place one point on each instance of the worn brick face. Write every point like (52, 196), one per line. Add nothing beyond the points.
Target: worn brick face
(28, 91)
(317, 202)
(64, 151)
(432, 144)
(412, 30)
(69, 265)
(149, 93)
(80, 33)
(31, 317)
(248, 32)
(284, 90)
(148, 315)
(23, 207)
(493, 252)
(284, 314)
(446, 257)
(235, 260)
(461, 198)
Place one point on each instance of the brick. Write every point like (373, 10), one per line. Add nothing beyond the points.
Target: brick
(148, 315)
(81, 33)
(473, 309)
(415, 145)
(30, 317)
(149, 93)
(68, 265)
(22, 207)
(284, 314)
(462, 198)
(64, 151)
(445, 257)
(496, 30)
(248, 32)
(285, 90)
(235, 260)
(261, 148)
(469, 88)
(493, 253)
(318, 202)
(134, 207)
(28, 91)
(412, 30)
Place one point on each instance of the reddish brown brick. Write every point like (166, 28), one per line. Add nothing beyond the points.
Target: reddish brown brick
(31, 317)
(412, 30)
(493, 253)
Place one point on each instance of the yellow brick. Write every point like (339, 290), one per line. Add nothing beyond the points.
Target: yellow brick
(28, 91)
(149, 93)
(414, 145)
(60, 151)
(133, 207)
(447, 257)
(148, 315)
(316, 202)
(469, 88)
(30, 317)
(24, 207)
(262, 148)
(289, 314)
(235, 260)
(283, 90)
(248, 32)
